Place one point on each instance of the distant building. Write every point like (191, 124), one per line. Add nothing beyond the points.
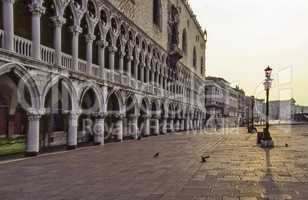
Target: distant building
(282, 109)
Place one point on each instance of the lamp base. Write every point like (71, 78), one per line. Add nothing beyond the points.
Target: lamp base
(267, 143)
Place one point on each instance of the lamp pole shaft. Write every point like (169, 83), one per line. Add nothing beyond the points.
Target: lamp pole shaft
(267, 136)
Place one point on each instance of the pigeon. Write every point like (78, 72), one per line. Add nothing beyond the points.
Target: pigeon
(287, 145)
(203, 158)
(156, 155)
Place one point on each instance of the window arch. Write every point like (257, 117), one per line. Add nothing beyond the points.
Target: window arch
(202, 66)
(157, 13)
(184, 41)
(194, 58)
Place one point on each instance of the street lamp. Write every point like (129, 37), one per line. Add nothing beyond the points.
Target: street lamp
(267, 139)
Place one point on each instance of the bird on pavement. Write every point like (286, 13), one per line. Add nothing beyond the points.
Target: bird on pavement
(203, 158)
(156, 155)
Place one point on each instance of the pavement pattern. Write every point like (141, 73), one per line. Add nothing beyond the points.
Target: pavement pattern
(237, 169)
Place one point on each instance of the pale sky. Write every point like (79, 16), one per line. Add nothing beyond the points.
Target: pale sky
(244, 36)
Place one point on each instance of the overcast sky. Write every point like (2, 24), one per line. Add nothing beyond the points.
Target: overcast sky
(246, 35)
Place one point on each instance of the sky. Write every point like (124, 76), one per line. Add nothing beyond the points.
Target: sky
(244, 36)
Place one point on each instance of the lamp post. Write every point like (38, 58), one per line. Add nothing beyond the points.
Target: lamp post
(267, 139)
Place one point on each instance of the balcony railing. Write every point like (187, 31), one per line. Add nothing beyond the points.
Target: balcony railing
(22, 46)
(82, 66)
(95, 71)
(48, 55)
(67, 61)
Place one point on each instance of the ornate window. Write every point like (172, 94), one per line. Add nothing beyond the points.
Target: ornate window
(194, 58)
(201, 66)
(157, 13)
(184, 41)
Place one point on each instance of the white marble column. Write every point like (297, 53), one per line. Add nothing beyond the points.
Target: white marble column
(136, 69)
(164, 125)
(178, 125)
(57, 38)
(156, 125)
(121, 62)
(99, 129)
(182, 124)
(76, 30)
(112, 51)
(8, 24)
(89, 40)
(152, 81)
(37, 10)
(147, 75)
(134, 126)
(101, 55)
(129, 66)
(72, 131)
(171, 125)
(146, 126)
(142, 73)
(119, 128)
(33, 136)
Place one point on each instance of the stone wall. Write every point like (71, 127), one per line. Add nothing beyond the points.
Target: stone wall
(141, 13)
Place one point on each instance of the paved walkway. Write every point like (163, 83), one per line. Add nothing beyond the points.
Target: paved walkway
(237, 169)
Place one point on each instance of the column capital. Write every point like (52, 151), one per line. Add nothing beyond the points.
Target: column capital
(37, 9)
(33, 116)
(58, 21)
(90, 38)
(75, 29)
(134, 116)
(112, 49)
(102, 43)
(99, 115)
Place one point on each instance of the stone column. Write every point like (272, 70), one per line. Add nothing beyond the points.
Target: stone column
(72, 131)
(99, 130)
(121, 62)
(119, 127)
(156, 125)
(57, 38)
(136, 69)
(146, 128)
(112, 51)
(142, 73)
(164, 125)
(76, 30)
(129, 66)
(134, 126)
(37, 10)
(8, 24)
(152, 77)
(187, 124)
(171, 125)
(89, 40)
(101, 55)
(33, 135)
(147, 75)
(183, 125)
(178, 125)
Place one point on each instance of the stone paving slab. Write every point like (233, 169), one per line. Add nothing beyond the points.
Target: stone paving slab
(236, 170)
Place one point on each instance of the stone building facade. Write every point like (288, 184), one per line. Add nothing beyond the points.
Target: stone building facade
(74, 71)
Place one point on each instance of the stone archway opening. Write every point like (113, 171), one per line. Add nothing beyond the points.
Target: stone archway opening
(47, 24)
(54, 124)
(90, 106)
(13, 114)
(114, 120)
(130, 122)
(67, 34)
(143, 120)
(22, 18)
